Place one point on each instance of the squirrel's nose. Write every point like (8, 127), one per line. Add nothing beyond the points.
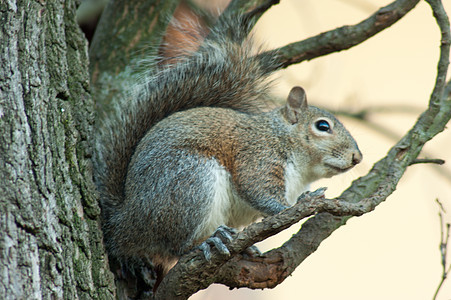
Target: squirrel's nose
(356, 157)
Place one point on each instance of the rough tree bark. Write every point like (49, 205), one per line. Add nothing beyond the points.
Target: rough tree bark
(50, 239)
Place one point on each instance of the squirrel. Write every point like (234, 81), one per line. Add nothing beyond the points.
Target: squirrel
(193, 154)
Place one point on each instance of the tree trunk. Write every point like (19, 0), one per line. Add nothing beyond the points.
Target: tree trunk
(51, 243)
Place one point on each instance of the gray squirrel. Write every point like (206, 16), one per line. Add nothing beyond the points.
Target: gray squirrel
(193, 152)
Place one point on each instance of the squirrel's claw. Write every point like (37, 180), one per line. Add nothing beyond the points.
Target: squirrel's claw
(252, 251)
(217, 243)
(225, 233)
(219, 239)
(315, 193)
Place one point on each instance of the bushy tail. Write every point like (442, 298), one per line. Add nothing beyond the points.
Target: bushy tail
(224, 72)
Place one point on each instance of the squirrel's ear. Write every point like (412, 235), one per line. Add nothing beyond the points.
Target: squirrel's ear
(296, 103)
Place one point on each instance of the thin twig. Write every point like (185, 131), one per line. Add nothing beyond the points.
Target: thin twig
(444, 238)
(442, 208)
(427, 161)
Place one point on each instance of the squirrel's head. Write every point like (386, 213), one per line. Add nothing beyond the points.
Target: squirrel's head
(329, 148)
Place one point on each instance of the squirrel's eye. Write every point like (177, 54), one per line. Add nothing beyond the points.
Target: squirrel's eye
(323, 125)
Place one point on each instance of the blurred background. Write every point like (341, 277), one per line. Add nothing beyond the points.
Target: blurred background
(392, 252)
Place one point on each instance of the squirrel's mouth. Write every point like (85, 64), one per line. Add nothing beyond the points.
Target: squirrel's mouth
(339, 169)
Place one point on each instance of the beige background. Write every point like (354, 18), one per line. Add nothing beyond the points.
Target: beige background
(391, 253)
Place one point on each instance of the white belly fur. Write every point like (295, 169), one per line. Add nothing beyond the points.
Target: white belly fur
(227, 208)
(295, 184)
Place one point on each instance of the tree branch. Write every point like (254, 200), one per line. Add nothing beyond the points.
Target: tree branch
(437, 161)
(258, 11)
(344, 37)
(193, 273)
(251, 10)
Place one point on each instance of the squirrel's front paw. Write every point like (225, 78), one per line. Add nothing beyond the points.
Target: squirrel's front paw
(318, 192)
(219, 239)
